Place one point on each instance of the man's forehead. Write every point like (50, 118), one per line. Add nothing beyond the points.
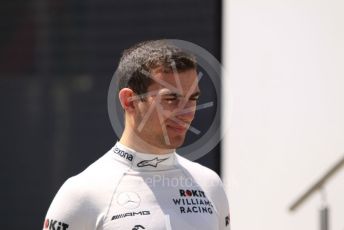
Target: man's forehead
(172, 74)
(167, 91)
(182, 83)
(171, 80)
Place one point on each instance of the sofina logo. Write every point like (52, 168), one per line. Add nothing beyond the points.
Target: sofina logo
(123, 154)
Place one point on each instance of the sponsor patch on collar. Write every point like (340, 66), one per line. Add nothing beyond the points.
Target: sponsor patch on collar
(153, 162)
(123, 154)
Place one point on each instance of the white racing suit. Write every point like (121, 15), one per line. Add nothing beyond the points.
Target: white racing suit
(128, 190)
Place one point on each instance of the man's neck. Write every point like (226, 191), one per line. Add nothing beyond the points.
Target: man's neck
(134, 142)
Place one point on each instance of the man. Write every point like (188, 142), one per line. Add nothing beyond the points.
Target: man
(141, 183)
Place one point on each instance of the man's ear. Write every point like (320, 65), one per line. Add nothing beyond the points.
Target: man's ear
(126, 98)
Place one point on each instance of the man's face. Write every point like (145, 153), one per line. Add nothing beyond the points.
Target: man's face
(164, 116)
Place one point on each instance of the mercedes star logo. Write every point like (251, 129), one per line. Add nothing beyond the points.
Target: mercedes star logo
(128, 200)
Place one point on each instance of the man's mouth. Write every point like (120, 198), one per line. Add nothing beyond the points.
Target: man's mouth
(181, 129)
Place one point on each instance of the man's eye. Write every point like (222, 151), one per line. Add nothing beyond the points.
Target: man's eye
(171, 99)
(194, 98)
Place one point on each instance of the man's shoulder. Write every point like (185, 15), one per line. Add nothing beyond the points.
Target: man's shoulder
(99, 176)
(92, 187)
(105, 165)
(208, 180)
(197, 170)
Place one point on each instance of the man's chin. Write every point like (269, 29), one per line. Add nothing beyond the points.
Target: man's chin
(172, 142)
(176, 142)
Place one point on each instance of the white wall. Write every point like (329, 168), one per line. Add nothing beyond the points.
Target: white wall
(285, 60)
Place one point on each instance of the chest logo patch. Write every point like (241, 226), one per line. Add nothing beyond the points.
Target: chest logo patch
(193, 201)
(128, 200)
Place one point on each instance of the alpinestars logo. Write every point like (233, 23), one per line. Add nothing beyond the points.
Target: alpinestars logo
(123, 154)
(54, 225)
(193, 201)
(141, 213)
(154, 162)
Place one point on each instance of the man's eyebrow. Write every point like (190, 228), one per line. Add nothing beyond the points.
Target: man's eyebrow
(173, 94)
(196, 94)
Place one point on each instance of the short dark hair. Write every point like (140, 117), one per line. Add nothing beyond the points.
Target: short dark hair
(147, 56)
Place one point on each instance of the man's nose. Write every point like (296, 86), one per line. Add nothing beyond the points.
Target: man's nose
(186, 110)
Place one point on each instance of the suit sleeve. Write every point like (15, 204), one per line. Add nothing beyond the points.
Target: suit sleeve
(71, 209)
(224, 213)
(222, 206)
